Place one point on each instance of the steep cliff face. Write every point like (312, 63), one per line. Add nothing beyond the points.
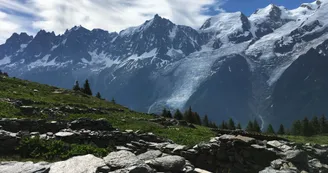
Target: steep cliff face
(302, 89)
(228, 67)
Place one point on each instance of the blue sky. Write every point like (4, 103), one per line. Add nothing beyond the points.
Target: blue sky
(249, 6)
(114, 15)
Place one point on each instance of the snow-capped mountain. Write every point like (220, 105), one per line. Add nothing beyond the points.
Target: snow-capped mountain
(270, 65)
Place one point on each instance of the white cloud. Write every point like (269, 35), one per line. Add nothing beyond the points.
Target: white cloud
(112, 15)
(6, 27)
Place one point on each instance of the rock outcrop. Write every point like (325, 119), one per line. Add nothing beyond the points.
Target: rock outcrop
(236, 152)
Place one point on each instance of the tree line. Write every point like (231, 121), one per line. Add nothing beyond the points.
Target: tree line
(3, 73)
(86, 89)
(189, 116)
(307, 127)
(303, 127)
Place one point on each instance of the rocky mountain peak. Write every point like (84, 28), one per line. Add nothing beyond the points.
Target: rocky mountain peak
(21, 38)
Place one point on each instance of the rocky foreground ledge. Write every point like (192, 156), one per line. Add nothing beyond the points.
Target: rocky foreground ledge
(146, 153)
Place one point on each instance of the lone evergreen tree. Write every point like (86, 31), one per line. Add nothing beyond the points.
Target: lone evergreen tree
(270, 130)
(205, 121)
(315, 125)
(281, 130)
(76, 87)
(86, 88)
(250, 127)
(98, 95)
(113, 101)
(239, 126)
(231, 124)
(178, 115)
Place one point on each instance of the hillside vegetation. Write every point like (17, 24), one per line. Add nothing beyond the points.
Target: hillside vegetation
(18, 96)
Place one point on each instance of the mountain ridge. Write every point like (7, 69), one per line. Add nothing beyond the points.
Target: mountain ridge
(160, 64)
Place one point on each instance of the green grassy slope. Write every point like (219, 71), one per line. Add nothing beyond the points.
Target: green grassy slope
(318, 139)
(46, 97)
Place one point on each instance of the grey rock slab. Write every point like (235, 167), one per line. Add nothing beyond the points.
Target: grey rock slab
(167, 163)
(64, 134)
(151, 154)
(122, 159)
(142, 168)
(24, 167)
(79, 164)
(198, 170)
(297, 156)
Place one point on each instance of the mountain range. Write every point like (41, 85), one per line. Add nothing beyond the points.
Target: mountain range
(271, 65)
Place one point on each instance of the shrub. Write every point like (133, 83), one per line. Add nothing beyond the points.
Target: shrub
(37, 148)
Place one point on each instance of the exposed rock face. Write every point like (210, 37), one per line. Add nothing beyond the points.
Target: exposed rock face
(242, 66)
(24, 167)
(168, 163)
(78, 164)
(151, 154)
(236, 152)
(121, 159)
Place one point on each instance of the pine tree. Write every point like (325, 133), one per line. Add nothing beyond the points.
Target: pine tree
(164, 113)
(196, 118)
(223, 125)
(178, 115)
(250, 126)
(188, 115)
(256, 126)
(323, 125)
(212, 125)
(205, 121)
(315, 125)
(270, 130)
(76, 87)
(296, 128)
(306, 127)
(239, 126)
(86, 88)
(169, 114)
(281, 130)
(231, 124)
(98, 95)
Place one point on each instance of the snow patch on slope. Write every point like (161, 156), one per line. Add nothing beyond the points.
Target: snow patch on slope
(225, 24)
(42, 62)
(145, 55)
(101, 59)
(194, 69)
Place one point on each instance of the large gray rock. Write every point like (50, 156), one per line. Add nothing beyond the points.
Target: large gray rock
(271, 170)
(297, 156)
(198, 170)
(151, 154)
(24, 167)
(167, 163)
(79, 164)
(142, 168)
(122, 159)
